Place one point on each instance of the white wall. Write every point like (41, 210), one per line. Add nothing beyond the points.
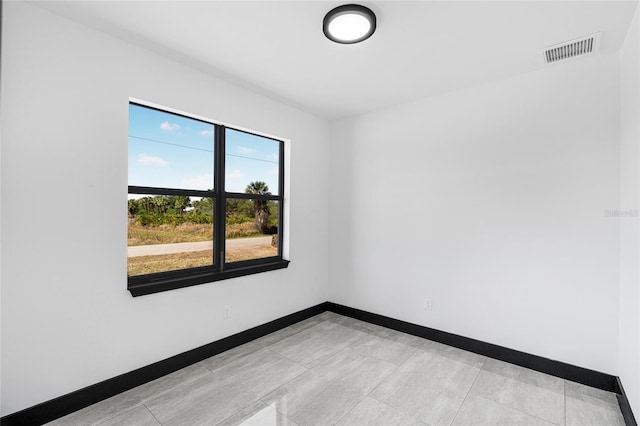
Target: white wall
(629, 353)
(491, 201)
(67, 319)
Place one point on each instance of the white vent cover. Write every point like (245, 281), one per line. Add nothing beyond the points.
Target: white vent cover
(586, 45)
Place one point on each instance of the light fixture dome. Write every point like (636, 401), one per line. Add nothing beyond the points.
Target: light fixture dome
(348, 24)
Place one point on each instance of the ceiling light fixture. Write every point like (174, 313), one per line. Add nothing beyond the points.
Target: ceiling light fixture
(349, 24)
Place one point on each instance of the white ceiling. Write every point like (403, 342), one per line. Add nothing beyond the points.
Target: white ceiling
(421, 48)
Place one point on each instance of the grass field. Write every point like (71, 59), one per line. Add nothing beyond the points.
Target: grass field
(170, 262)
(168, 234)
(246, 253)
(185, 233)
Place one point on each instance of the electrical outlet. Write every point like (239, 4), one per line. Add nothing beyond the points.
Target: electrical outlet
(428, 304)
(226, 313)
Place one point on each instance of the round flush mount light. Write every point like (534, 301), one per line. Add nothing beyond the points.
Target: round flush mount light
(348, 24)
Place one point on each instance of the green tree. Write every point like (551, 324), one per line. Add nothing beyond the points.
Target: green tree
(239, 210)
(204, 206)
(180, 202)
(162, 203)
(133, 207)
(260, 207)
(147, 204)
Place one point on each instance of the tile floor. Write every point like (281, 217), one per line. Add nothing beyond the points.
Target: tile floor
(334, 370)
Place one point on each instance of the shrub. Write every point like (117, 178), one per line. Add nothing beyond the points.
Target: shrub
(171, 218)
(245, 229)
(234, 219)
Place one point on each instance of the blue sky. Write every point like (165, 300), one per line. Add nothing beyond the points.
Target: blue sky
(171, 151)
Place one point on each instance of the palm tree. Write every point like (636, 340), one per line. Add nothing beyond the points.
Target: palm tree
(147, 203)
(260, 208)
(162, 203)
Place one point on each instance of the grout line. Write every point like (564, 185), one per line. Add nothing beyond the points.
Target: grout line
(468, 392)
(595, 398)
(288, 359)
(265, 347)
(243, 408)
(108, 417)
(370, 392)
(404, 413)
(364, 335)
(382, 381)
(397, 366)
(164, 389)
(348, 411)
(519, 410)
(268, 404)
(151, 412)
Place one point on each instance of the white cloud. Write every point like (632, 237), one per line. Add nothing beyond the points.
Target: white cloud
(169, 127)
(202, 182)
(235, 174)
(245, 150)
(207, 133)
(148, 160)
(273, 156)
(274, 171)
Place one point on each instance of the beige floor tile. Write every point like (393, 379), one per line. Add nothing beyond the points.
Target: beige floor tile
(324, 394)
(478, 411)
(257, 414)
(228, 390)
(535, 393)
(370, 412)
(587, 406)
(430, 386)
(315, 344)
(139, 416)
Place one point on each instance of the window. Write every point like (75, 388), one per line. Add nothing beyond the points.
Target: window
(205, 202)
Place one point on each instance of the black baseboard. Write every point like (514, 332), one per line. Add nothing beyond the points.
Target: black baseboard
(74, 401)
(625, 407)
(555, 368)
(559, 369)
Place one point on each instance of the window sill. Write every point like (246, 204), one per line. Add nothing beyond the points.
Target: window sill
(191, 278)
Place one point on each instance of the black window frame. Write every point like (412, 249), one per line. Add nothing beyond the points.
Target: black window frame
(139, 285)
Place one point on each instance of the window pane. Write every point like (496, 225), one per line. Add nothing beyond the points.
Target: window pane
(169, 151)
(251, 159)
(168, 232)
(252, 229)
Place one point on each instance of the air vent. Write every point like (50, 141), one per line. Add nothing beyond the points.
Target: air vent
(570, 49)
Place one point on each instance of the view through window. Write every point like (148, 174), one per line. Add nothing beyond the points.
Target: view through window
(203, 198)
